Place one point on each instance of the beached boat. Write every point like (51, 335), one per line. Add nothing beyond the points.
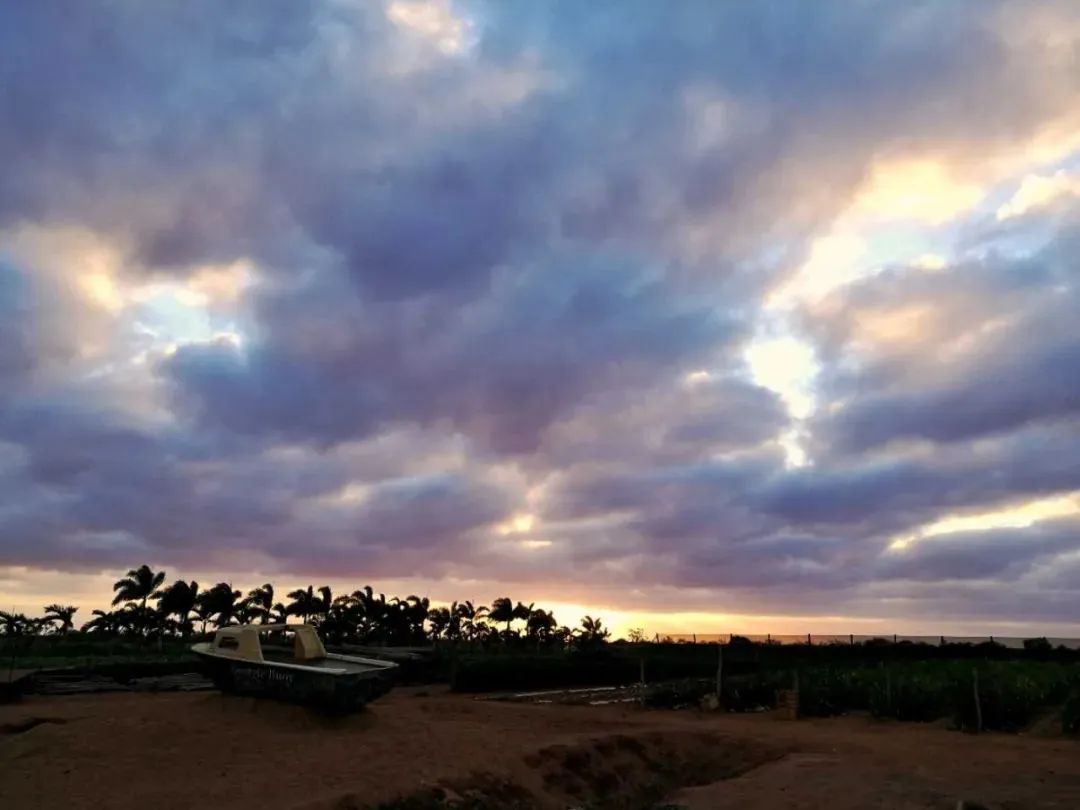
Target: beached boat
(239, 662)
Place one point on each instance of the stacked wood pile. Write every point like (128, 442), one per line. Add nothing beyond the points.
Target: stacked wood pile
(787, 701)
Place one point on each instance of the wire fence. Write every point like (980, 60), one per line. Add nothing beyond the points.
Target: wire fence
(1012, 642)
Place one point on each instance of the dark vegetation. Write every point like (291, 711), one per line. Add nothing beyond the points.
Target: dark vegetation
(514, 647)
(146, 608)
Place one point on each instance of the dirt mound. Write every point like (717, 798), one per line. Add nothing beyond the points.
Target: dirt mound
(482, 791)
(625, 770)
(611, 772)
(25, 724)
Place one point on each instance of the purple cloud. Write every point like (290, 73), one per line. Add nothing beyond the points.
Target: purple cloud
(508, 271)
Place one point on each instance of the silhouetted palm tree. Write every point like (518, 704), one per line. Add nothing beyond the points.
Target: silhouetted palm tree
(17, 624)
(62, 615)
(416, 613)
(502, 610)
(324, 602)
(464, 617)
(260, 602)
(439, 621)
(179, 599)
(104, 622)
(279, 614)
(362, 615)
(592, 632)
(342, 622)
(540, 625)
(375, 612)
(304, 603)
(221, 604)
(523, 612)
(136, 587)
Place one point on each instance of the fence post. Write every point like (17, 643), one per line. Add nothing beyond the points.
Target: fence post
(796, 696)
(641, 661)
(719, 669)
(888, 688)
(851, 638)
(978, 706)
(809, 643)
(695, 637)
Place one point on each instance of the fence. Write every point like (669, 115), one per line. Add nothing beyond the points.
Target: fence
(1012, 642)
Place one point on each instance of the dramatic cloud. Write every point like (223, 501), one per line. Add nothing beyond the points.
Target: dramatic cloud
(713, 308)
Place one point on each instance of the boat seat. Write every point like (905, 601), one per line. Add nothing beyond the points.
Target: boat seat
(307, 646)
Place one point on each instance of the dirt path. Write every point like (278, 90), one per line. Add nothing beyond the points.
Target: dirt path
(205, 750)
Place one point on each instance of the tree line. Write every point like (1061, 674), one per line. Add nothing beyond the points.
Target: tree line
(144, 605)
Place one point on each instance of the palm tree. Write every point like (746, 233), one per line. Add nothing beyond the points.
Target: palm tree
(137, 586)
(395, 621)
(502, 610)
(61, 614)
(416, 613)
(592, 632)
(374, 612)
(221, 604)
(523, 612)
(104, 622)
(203, 612)
(17, 624)
(179, 599)
(279, 614)
(304, 603)
(260, 602)
(339, 623)
(439, 620)
(463, 619)
(324, 602)
(540, 625)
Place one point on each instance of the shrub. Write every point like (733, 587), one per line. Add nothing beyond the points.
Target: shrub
(743, 693)
(497, 673)
(677, 694)
(827, 691)
(1010, 695)
(911, 693)
(1070, 713)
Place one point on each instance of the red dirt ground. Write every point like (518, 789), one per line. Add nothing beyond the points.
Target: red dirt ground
(205, 750)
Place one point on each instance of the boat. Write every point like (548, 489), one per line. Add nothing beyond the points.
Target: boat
(239, 662)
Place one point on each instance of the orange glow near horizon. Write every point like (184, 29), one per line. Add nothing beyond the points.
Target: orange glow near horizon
(25, 592)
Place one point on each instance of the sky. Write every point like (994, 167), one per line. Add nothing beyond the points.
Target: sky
(702, 317)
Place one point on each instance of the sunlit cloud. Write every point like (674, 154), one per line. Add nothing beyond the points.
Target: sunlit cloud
(834, 260)
(1013, 517)
(518, 524)
(788, 366)
(919, 188)
(432, 19)
(697, 377)
(896, 327)
(1037, 191)
(220, 284)
(929, 261)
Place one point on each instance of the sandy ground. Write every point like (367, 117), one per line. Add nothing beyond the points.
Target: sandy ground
(207, 750)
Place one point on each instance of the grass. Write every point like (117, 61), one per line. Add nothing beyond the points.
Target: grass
(81, 650)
